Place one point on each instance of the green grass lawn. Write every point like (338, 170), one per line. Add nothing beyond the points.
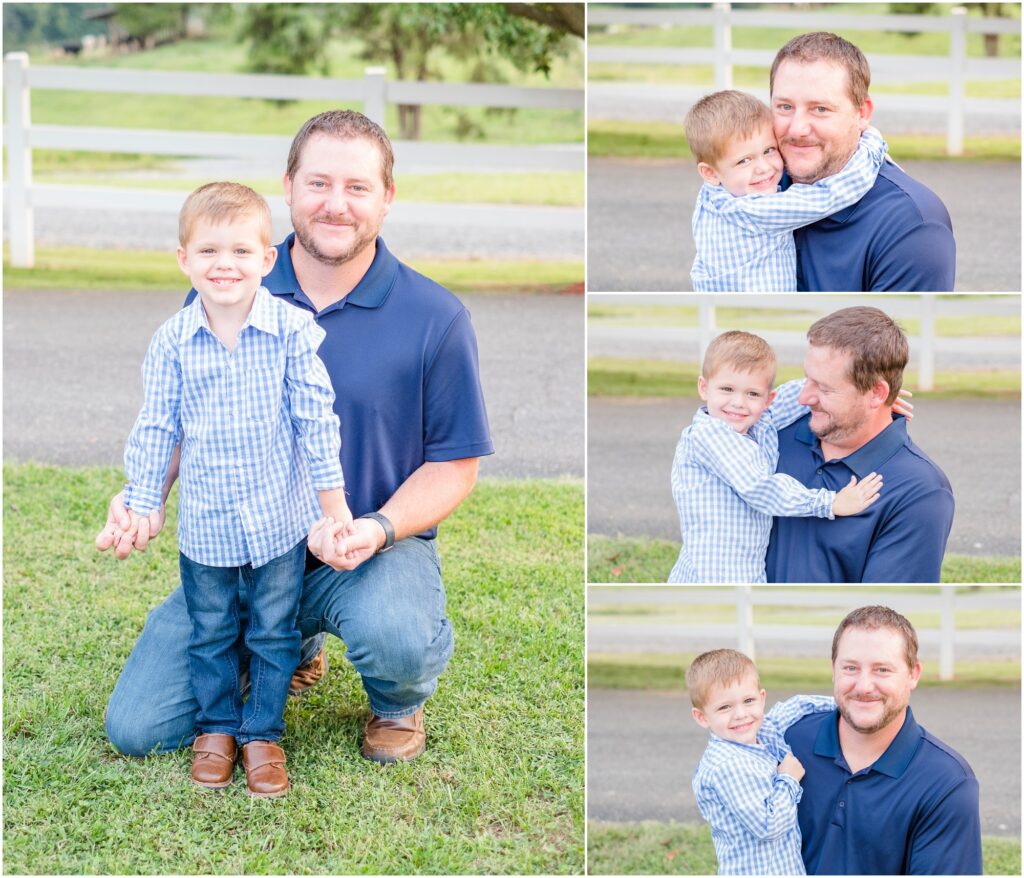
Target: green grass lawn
(499, 790)
(631, 559)
(685, 849)
(613, 376)
(83, 268)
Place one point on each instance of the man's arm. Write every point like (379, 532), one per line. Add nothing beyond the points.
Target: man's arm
(423, 500)
(802, 204)
(947, 840)
(764, 805)
(910, 544)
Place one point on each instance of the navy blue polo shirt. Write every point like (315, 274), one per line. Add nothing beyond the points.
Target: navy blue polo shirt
(897, 237)
(913, 812)
(901, 537)
(402, 357)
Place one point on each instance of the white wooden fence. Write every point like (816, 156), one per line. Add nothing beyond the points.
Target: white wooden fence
(374, 92)
(707, 328)
(956, 68)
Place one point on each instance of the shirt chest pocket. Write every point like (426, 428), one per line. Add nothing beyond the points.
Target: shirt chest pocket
(264, 393)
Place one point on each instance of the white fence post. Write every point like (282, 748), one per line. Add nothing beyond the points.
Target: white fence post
(926, 373)
(957, 80)
(948, 632)
(745, 620)
(376, 99)
(705, 325)
(19, 161)
(723, 47)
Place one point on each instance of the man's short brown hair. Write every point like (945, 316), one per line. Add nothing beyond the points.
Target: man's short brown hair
(345, 125)
(220, 203)
(822, 46)
(873, 618)
(743, 351)
(877, 346)
(717, 119)
(719, 667)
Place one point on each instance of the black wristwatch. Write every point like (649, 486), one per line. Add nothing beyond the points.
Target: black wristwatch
(389, 530)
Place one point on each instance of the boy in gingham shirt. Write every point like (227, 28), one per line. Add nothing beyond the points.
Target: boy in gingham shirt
(234, 380)
(742, 225)
(747, 784)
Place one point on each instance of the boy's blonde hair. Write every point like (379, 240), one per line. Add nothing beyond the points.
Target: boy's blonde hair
(719, 118)
(223, 202)
(719, 667)
(743, 351)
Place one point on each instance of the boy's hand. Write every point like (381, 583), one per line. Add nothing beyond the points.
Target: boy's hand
(343, 545)
(791, 766)
(857, 496)
(126, 530)
(902, 405)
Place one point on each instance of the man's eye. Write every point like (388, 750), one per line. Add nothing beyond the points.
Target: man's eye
(821, 109)
(784, 108)
(318, 184)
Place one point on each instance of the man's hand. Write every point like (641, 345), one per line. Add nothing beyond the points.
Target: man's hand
(345, 546)
(857, 496)
(791, 766)
(126, 530)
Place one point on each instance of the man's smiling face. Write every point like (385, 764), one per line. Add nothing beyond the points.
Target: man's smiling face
(337, 197)
(816, 121)
(871, 680)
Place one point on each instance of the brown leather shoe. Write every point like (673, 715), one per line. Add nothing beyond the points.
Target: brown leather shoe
(213, 762)
(265, 775)
(308, 675)
(394, 740)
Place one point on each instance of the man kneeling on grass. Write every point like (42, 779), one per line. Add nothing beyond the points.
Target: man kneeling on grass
(401, 353)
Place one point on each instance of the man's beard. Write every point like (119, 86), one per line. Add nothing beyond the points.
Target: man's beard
(308, 241)
(831, 162)
(835, 430)
(888, 715)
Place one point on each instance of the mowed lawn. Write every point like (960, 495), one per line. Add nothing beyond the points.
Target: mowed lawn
(499, 789)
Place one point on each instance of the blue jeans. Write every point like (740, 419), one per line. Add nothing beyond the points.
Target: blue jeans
(271, 636)
(389, 611)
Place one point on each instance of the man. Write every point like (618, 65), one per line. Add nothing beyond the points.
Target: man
(881, 796)
(402, 357)
(898, 236)
(854, 367)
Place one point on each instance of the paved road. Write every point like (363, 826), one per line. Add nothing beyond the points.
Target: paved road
(72, 379)
(642, 748)
(638, 222)
(631, 443)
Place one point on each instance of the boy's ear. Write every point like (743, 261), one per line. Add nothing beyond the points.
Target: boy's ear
(269, 258)
(708, 173)
(699, 718)
(771, 399)
(702, 388)
(182, 259)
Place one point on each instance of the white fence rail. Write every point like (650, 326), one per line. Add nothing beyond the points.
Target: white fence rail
(374, 91)
(955, 68)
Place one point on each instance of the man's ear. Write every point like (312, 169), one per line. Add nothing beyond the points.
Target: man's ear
(864, 113)
(878, 394)
(286, 184)
(708, 173)
(389, 198)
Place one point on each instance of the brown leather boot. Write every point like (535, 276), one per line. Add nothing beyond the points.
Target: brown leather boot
(265, 775)
(395, 740)
(308, 675)
(213, 762)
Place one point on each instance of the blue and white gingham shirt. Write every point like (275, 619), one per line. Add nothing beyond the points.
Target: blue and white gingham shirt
(750, 806)
(726, 492)
(246, 494)
(746, 244)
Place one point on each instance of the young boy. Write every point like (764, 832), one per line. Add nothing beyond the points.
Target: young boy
(747, 784)
(742, 225)
(723, 476)
(234, 380)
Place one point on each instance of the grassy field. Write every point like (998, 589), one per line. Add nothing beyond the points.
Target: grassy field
(82, 268)
(757, 319)
(685, 849)
(631, 559)
(613, 376)
(499, 790)
(608, 138)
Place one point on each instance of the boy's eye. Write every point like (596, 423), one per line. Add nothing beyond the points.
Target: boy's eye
(770, 150)
(241, 251)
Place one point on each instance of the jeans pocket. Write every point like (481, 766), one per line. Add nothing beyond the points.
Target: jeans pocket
(264, 392)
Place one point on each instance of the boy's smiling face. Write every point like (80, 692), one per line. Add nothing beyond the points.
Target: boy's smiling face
(748, 166)
(738, 398)
(734, 711)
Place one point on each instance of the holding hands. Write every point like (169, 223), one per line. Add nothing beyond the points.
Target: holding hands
(126, 529)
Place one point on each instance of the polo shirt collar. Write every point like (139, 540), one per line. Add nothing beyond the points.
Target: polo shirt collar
(372, 290)
(896, 758)
(868, 458)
